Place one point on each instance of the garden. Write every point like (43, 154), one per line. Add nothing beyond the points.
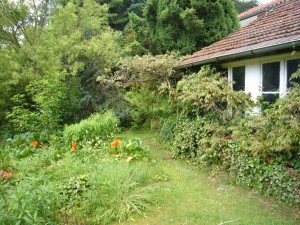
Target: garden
(98, 127)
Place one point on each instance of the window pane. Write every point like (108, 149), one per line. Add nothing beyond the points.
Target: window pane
(292, 66)
(271, 74)
(238, 78)
(271, 98)
(224, 72)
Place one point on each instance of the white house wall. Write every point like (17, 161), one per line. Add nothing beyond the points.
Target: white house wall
(253, 79)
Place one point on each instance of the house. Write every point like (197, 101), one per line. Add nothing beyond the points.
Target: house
(261, 56)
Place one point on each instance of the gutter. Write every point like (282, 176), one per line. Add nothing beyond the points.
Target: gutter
(242, 54)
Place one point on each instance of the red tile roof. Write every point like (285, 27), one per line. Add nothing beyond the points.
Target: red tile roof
(259, 9)
(277, 26)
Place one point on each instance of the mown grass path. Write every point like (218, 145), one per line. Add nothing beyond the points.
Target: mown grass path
(190, 196)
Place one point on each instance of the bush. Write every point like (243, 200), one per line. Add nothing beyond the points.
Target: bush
(270, 175)
(260, 151)
(208, 92)
(243, 149)
(98, 125)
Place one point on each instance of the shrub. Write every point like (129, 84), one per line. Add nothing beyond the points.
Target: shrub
(197, 139)
(260, 151)
(98, 125)
(209, 92)
(271, 176)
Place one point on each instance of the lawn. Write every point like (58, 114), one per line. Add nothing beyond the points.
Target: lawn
(187, 195)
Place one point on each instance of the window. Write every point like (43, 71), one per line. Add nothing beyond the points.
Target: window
(292, 66)
(270, 81)
(238, 78)
(267, 79)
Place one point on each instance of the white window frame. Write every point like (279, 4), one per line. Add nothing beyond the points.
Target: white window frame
(283, 82)
(282, 87)
(285, 72)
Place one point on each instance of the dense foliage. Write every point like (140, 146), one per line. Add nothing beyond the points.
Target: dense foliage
(73, 71)
(184, 26)
(149, 82)
(259, 151)
(118, 10)
(89, 185)
(50, 70)
(97, 125)
(244, 5)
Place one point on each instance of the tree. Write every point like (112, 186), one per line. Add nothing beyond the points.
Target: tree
(48, 67)
(188, 25)
(118, 10)
(149, 83)
(244, 5)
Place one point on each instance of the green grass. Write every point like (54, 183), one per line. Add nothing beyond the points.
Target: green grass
(190, 196)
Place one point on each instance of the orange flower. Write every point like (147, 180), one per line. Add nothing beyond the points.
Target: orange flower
(74, 144)
(35, 143)
(5, 174)
(73, 149)
(116, 142)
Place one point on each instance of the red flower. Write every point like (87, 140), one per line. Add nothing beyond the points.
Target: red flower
(35, 143)
(116, 142)
(73, 149)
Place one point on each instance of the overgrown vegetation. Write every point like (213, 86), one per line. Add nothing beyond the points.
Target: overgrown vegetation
(89, 184)
(259, 151)
(73, 73)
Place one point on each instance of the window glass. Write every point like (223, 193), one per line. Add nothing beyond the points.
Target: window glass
(224, 72)
(271, 98)
(238, 78)
(271, 75)
(292, 66)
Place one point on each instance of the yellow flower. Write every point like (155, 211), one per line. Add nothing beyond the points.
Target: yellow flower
(128, 159)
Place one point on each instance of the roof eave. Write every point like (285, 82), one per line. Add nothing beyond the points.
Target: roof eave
(242, 54)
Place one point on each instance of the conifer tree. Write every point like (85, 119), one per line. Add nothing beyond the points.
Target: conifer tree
(188, 25)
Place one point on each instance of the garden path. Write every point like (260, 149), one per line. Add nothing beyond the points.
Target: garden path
(193, 196)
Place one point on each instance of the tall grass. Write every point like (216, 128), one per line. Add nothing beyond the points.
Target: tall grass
(98, 125)
(55, 186)
(103, 191)
(74, 190)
